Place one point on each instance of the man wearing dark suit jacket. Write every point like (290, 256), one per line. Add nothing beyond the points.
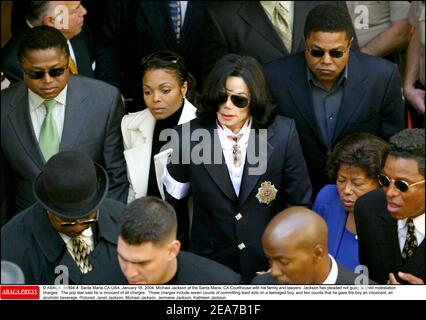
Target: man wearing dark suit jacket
(148, 251)
(71, 213)
(295, 242)
(43, 13)
(86, 116)
(246, 28)
(133, 29)
(391, 221)
(332, 91)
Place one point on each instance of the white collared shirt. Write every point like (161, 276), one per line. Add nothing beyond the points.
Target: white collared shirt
(332, 276)
(235, 173)
(86, 236)
(419, 224)
(38, 111)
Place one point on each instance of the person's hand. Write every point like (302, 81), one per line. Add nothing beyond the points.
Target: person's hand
(404, 276)
(416, 98)
(258, 273)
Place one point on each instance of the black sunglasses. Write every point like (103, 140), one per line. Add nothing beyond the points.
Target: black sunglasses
(401, 185)
(56, 72)
(238, 101)
(81, 222)
(334, 53)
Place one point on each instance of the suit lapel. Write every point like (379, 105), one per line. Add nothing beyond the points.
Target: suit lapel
(352, 96)
(416, 264)
(387, 236)
(249, 181)
(218, 172)
(21, 122)
(75, 115)
(301, 94)
(255, 16)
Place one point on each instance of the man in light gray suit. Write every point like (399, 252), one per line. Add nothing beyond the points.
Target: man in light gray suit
(53, 111)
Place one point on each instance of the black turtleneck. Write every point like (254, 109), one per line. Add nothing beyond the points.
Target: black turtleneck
(167, 123)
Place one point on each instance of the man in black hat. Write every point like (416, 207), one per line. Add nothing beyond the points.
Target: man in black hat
(70, 235)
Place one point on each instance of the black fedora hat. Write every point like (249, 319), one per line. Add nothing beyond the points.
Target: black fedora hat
(71, 185)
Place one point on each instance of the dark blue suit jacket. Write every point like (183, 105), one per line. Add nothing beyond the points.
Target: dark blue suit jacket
(217, 229)
(371, 102)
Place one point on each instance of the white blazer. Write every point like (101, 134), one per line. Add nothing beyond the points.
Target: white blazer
(138, 130)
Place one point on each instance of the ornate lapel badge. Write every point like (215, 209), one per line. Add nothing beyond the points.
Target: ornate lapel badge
(266, 193)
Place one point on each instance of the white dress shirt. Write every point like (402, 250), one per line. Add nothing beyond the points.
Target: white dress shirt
(419, 224)
(38, 111)
(332, 276)
(235, 173)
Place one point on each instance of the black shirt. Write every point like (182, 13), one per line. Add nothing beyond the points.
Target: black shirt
(167, 123)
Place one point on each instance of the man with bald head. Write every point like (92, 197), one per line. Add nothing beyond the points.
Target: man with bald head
(295, 242)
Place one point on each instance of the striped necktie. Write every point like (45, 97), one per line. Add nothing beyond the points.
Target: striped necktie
(281, 21)
(81, 252)
(175, 15)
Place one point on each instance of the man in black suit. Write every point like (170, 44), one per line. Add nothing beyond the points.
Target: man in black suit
(391, 221)
(49, 13)
(72, 216)
(331, 91)
(133, 29)
(247, 28)
(295, 242)
(149, 253)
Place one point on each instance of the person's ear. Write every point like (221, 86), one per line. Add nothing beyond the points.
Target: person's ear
(318, 253)
(48, 21)
(173, 248)
(184, 89)
(350, 42)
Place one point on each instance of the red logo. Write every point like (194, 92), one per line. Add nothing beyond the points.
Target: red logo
(19, 292)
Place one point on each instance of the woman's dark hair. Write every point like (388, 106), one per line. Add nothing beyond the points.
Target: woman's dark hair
(173, 62)
(250, 70)
(362, 150)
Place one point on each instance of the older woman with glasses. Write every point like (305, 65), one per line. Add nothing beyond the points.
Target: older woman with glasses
(354, 164)
(165, 83)
(240, 163)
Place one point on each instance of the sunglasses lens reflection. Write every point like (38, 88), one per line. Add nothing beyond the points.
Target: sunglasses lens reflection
(238, 101)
